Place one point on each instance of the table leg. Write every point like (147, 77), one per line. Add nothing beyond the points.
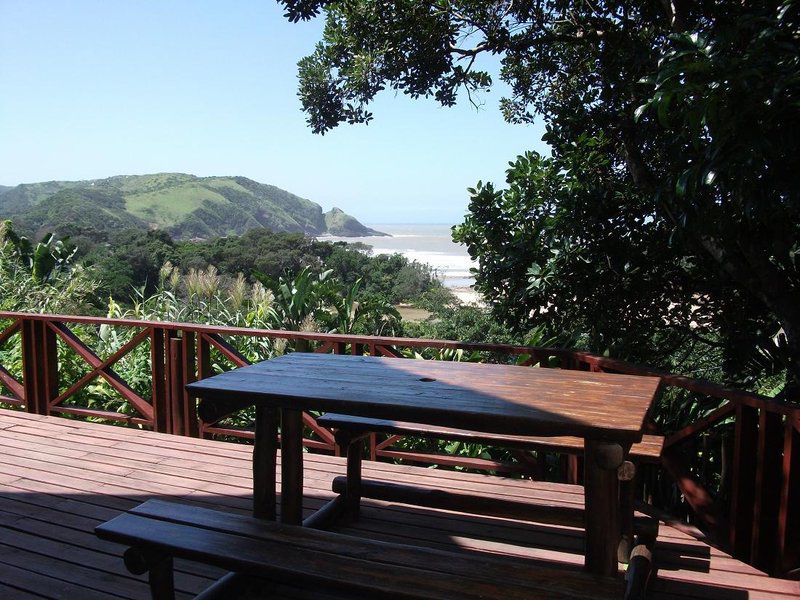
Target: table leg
(291, 466)
(601, 489)
(265, 462)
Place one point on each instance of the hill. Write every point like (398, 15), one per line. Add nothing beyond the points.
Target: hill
(186, 206)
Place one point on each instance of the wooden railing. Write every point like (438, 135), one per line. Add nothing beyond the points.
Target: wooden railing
(736, 465)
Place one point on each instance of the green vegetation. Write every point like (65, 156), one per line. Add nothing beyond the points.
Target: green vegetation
(44, 277)
(665, 225)
(185, 206)
(131, 260)
(40, 277)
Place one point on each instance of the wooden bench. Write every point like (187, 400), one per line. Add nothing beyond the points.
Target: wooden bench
(350, 431)
(648, 450)
(157, 532)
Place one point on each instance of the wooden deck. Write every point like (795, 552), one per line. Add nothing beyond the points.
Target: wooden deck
(59, 478)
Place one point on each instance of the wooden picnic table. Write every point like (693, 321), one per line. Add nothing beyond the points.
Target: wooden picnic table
(608, 411)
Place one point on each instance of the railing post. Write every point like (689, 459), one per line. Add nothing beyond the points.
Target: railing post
(50, 367)
(160, 397)
(39, 366)
(175, 387)
(203, 371)
(189, 369)
(373, 447)
(764, 546)
(180, 370)
(744, 478)
(789, 511)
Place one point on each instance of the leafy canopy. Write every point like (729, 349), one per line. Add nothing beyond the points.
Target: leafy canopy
(668, 214)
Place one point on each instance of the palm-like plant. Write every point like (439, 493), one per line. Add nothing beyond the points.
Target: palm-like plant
(300, 298)
(44, 260)
(351, 312)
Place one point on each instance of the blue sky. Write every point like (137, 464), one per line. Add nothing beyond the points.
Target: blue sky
(94, 89)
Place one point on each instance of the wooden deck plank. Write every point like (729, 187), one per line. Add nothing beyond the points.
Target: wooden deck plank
(175, 462)
(16, 593)
(194, 473)
(45, 585)
(84, 560)
(60, 477)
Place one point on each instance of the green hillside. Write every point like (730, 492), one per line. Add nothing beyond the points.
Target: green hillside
(186, 206)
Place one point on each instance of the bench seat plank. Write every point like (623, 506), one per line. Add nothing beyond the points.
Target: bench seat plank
(649, 449)
(252, 546)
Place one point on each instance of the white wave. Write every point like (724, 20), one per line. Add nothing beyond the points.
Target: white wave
(460, 274)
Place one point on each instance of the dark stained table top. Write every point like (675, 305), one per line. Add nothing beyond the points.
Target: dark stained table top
(481, 397)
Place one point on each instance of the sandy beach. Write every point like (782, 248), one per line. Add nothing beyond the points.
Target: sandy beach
(467, 295)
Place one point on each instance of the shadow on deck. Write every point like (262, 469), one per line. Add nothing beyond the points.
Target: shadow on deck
(59, 478)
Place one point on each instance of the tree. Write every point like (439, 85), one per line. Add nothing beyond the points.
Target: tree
(131, 260)
(673, 189)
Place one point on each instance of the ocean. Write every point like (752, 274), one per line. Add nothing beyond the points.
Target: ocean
(430, 244)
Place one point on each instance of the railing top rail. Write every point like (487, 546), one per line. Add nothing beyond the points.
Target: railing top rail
(694, 385)
(289, 334)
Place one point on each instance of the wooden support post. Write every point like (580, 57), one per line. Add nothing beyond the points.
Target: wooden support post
(764, 545)
(50, 367)
(203, 357)
(188, 368)
(602, 506)
(159, 377)
(744, 476)
(373, 447)
(265, 462)
(626, 474)
(160, 578)
(203, 371)
(640, 565)
(29, 367)
(39, 366)
(159, 567)
(355, 452)
(291, 466)
(573, 469)
(789, 511)
(175, 373)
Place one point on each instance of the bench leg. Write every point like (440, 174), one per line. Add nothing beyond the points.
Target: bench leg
(162, 586)
(355, 451)
(159, 568)
(601, 489)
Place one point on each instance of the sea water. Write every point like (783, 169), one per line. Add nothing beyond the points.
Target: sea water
(429, 244)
